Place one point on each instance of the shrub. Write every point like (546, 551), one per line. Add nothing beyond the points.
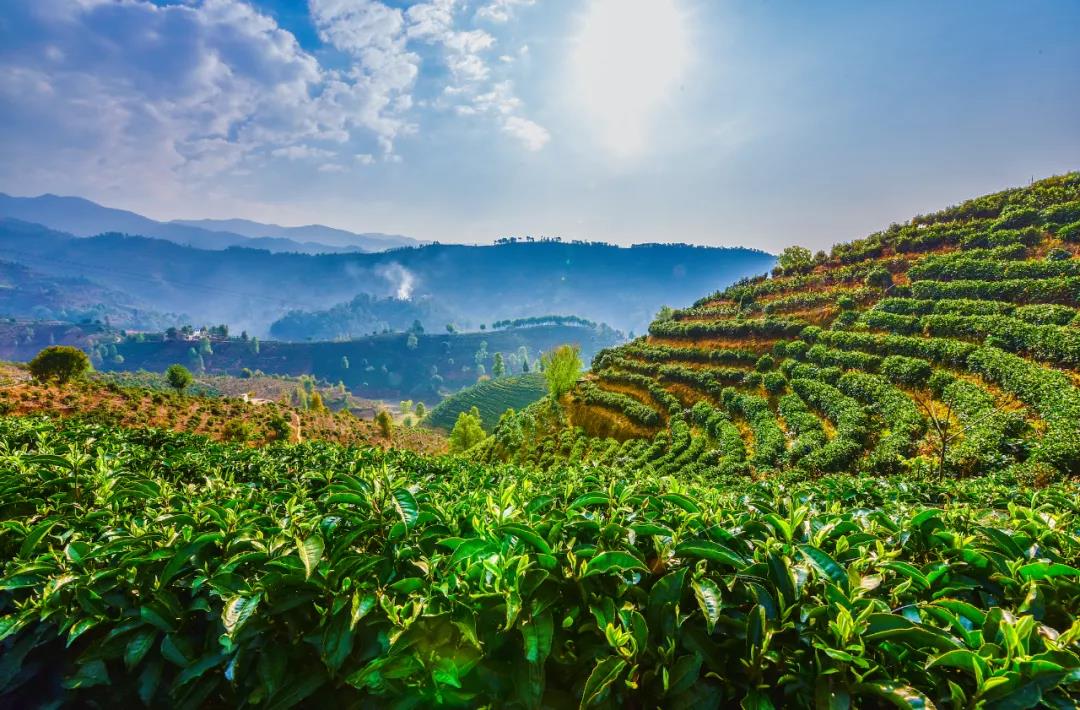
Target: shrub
(385, 422)
(878, 277)
(910, 371)
(774, 382)
(236, 430)
(1070, 232)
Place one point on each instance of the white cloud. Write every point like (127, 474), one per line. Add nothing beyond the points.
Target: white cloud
(472, 93)
(143, 98)
(148, 97)
(332, 168)
(500, 11)
(301, 152)
(532, 135)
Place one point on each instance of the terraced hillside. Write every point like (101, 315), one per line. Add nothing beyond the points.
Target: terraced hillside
(948, 345)
(491, 398)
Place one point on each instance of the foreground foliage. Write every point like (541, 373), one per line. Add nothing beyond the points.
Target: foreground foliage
(144, 566)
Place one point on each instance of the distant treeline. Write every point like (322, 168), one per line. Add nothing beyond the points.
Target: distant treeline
(542, 320)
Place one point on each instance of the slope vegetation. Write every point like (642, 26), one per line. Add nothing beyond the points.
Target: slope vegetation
(220, 418)
(948, 345)
(491, 398)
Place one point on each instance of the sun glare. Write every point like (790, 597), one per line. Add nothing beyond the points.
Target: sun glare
(628, 58)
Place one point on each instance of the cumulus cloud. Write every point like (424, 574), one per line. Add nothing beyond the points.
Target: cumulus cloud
(474, 91)
(142, 95)
(137, 93)
(531, 134)
(499, 11)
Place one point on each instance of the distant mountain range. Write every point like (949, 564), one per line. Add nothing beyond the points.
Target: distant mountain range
(253, 288)
(84, 218)
(313, 233)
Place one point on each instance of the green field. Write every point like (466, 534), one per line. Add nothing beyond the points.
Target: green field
(162, 569)
(491, 397)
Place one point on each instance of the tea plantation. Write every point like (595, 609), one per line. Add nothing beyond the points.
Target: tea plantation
(947, 346)
(852, 484)
(160, 568)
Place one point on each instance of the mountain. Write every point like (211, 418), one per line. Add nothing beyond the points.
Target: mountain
(368, 241)
(250, 289)
(84, 218)
(27, 294)
(946, 347)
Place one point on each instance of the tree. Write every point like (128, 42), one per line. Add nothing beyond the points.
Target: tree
(796, 258)
(417, 327)
(204, 346)
(406, 406)
(562, 368)
(451, 328)
(665, 313)
(385, 422)
(421, 410)
(178, 377)
(412, 341)
(62, 363)
(315, 403)
(468, 431)
(498, 368)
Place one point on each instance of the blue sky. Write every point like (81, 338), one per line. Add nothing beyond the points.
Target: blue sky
(760, 122)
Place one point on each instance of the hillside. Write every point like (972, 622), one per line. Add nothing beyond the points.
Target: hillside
(491, 398)
(378, 366)
(251, 288)
(132, 404)
(949, 345)
(26, 294)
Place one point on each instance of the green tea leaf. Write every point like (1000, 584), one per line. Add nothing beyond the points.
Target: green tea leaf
(237, 611)
(606, 672)
(708, 598)
(1047, 570)
(311, 552)
(708, 550)
(901, 696)
(407, 506)
(825, 565)
(613, 561)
